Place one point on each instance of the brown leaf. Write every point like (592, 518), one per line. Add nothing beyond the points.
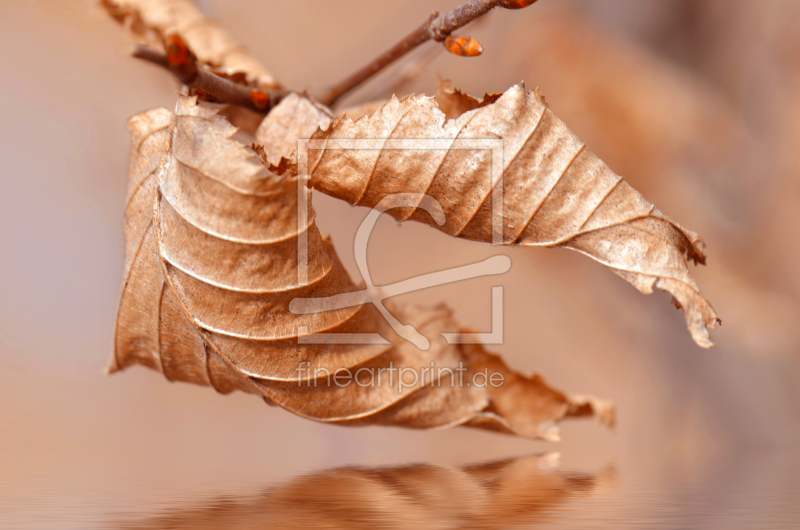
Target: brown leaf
(361, 109)
(212, 242)
(453, 102)
(296, 118)
(555, 192)
(150, 20)
(492, 495)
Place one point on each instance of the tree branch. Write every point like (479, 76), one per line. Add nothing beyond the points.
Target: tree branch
(438, 27)
(182, 63)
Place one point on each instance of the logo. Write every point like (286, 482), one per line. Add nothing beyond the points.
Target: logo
(374, 294)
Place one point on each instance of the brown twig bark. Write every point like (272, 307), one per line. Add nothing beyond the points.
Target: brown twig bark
(437, 27)
(182, 63)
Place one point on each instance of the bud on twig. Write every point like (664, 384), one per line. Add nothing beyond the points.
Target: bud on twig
(517, 4)
(463, 46)
(208, 86)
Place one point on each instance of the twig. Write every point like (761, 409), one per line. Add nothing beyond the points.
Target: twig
(438, 27)
(405, 75)
(182, 63)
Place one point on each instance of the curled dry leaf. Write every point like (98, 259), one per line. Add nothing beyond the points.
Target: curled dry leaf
(555, 192)
(150, 20)
(212, 265)
(491, 495)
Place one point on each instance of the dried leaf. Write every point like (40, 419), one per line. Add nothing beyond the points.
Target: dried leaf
(491, 495)
(453, 102)
(358, 110)
(212, 244)
(555, 192)
(149, 21)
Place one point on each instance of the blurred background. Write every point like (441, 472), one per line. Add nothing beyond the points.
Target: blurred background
(696, 103)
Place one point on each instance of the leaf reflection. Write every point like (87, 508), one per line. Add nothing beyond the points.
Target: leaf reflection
(491, 495)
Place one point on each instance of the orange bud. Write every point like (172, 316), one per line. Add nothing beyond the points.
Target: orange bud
(517, 4)
(463, 46)
(177, 52)
(202, 94)
(259, 98)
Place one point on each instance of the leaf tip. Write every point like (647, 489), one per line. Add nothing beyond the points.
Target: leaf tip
(112, 367)
(549, 433)
(605, 411)
(538, 95)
